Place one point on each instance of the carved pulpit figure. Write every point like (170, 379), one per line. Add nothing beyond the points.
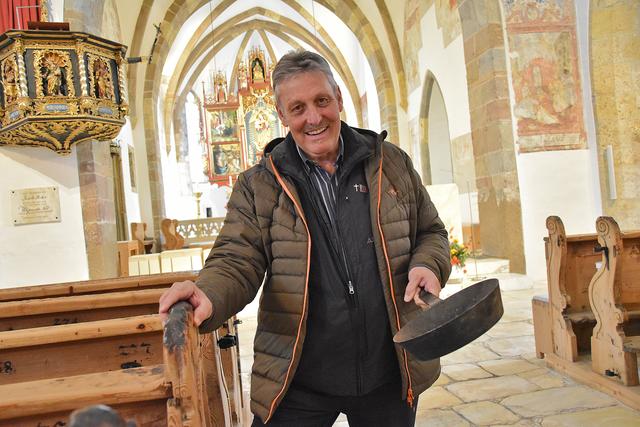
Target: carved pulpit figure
(103, 82)
(9, 83)
(53, 75)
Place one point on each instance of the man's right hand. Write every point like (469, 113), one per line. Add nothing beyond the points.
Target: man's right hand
(186, 291)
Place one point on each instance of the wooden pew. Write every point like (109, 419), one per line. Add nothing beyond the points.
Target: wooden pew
(172, 392)
(86, 307)
(563, 323)
(614, 293)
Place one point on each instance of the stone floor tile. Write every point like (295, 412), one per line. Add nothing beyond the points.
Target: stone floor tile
(546, 378)
(615, 416)
(507, 366)
(486, 413)
(465, 371)
(442, 380)
(491, 388)
(517, 311)
(512, 347)
(473, 352)
(521, 423)
(511, 329)
(435, 398)
(555, 400)
(440, 418)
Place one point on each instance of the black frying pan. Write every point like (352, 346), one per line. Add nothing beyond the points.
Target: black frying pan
(449, 324)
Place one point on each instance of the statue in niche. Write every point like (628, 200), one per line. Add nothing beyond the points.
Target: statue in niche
(257, 71)
(103, 80)
(242, 76)
(9, 83)
(53, 73)
(221, 92)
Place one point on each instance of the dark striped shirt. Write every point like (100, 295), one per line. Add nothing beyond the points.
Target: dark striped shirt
(326, 185)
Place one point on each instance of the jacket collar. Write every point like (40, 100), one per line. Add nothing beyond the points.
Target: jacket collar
(358, 145)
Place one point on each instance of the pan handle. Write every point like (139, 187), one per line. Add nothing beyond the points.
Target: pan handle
(429, 298)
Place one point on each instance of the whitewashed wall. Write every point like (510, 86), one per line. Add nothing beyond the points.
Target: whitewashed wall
(41, 253)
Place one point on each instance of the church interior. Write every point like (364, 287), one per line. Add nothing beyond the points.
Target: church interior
(124, 125)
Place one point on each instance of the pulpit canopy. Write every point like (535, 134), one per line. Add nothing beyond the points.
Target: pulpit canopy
(58, 88)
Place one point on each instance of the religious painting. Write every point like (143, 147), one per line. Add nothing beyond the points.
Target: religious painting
(448, 20)
(413, 44)
(9, 80)
(261, 126)
(223, 125)
(545, 75)
(226, 160)
(538, 12)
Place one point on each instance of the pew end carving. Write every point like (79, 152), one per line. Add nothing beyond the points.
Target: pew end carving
(614, 293)
(571, 262)
(172, 238)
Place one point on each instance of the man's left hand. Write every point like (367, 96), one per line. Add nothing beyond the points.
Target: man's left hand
(419, 278)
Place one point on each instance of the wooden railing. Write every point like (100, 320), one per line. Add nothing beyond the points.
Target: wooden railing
(202, 230)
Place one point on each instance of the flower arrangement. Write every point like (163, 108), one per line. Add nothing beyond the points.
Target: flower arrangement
(459, 253)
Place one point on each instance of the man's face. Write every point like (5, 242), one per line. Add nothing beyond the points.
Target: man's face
(308, 105)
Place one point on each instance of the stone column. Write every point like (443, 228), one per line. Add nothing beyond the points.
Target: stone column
(98, 208)
(94, 162)
(615, 62)
(491, 131)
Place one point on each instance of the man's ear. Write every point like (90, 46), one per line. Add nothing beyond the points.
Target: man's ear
(339, 98)
(281, 115)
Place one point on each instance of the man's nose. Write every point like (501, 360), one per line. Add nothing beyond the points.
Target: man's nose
(313, 116)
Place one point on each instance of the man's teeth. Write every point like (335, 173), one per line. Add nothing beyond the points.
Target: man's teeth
(316, 131)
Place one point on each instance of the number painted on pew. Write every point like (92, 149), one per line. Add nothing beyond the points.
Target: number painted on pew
(6, 367)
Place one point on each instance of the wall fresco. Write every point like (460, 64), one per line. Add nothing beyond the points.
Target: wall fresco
(545, 74)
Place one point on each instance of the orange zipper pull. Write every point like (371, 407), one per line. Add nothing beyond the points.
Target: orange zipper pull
(410, 397)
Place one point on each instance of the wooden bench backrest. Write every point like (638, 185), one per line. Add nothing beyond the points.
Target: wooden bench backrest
(54, 311)
(171, 393)
(63, 350)
(95, 286)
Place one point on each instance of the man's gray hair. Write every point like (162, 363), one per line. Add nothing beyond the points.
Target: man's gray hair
(301, 61)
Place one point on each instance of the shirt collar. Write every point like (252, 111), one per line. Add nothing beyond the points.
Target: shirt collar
(308, 162)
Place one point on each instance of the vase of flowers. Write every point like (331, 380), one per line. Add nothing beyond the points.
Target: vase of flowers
(459, 254)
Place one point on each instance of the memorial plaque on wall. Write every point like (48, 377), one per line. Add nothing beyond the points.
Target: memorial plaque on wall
(35, 205)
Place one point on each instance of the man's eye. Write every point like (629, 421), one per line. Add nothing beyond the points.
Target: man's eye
(296, 109)
(323, 101)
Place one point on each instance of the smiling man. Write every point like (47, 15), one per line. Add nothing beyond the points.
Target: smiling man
(338, 224)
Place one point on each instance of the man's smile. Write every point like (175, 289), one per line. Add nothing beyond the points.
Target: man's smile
(316, 131)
